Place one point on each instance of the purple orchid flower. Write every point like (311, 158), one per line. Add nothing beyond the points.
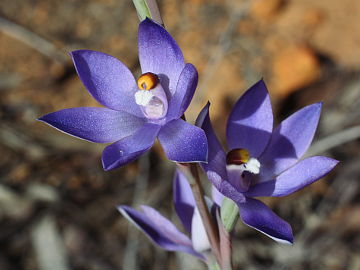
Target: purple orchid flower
(263, 161)
(163, 232)
(136, 113)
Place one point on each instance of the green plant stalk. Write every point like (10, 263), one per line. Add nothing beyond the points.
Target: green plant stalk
(142, 9)
(148, 9)
(229, 214)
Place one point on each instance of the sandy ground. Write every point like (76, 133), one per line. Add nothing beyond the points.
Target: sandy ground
(57, 205)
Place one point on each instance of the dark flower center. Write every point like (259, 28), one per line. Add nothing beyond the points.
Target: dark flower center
(239, 164)
(237, 156)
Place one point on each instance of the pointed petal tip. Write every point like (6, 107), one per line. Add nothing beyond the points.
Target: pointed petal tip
(302, 174)
(207, 106)
(260, 85)
(204, 113)
(290, 140)
(260, 217)
(289, 240)
(44, 119)
(108, 166)
(121, 208)
(72, 53)
(41, 119)
(292, 241)
(76, 53)
(287, 237)
(332, 163)
(330, 160)
(285, 240)
(124, 209)
(317, 105)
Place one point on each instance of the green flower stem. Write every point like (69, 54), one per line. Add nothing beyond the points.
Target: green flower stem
(148, 9)
(213, 266)
(142, 9)
(229, 214)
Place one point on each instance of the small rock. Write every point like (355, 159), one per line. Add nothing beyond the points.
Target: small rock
(294, 68)
(41, 192)
(313, 17)
(264, 10)
(13, 205)
(49, 246)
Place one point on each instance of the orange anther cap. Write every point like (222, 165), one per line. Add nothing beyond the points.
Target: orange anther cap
(147, 81)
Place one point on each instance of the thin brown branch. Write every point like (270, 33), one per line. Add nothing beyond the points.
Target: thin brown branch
(210, 227)
(225, 244)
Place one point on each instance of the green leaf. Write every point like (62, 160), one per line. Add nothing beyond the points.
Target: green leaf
(229, 214)
(213, 266)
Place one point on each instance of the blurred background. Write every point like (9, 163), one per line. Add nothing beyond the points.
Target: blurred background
(57, 205)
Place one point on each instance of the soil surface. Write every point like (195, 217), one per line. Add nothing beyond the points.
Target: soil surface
(57, 205)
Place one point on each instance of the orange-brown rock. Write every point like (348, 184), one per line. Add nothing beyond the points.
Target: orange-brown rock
(294, 68)
(263, 10)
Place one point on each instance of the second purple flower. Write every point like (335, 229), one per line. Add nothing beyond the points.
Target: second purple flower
(263, 161)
